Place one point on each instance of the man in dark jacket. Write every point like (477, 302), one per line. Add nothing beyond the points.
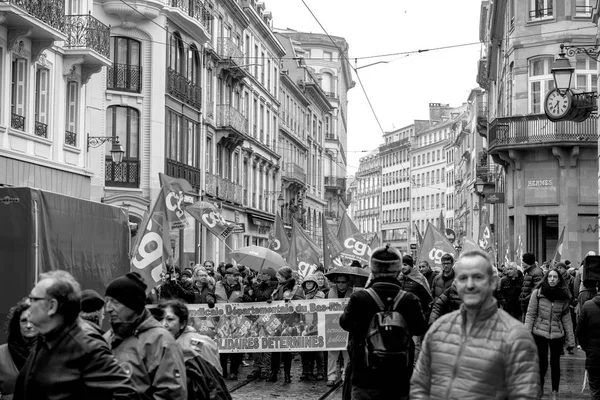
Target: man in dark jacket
(71, 359)
(588, 333)
(443, 281)
(386, 263)
(447, 302)
(146, 350)
(414, 282)
(510, 289)
(428, 273)
(532, 275)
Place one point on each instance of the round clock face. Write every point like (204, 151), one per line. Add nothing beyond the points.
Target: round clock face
(556, 105)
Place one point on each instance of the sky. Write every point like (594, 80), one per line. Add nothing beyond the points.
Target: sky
(401, 90)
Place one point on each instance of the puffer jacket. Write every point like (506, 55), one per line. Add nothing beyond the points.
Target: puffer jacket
(153, 360)
(497, 359)
(441, 283)
(588, 332)
(550, 319)
(532, 275)
(447, 302)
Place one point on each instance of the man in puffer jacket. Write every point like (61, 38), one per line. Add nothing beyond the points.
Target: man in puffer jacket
(310, 358)
(447, 302)
(532, 275)
(480, 351)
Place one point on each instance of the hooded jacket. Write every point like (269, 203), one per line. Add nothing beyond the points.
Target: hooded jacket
(194, 344)
(153, 360)
(588, 332)
(416, 284)
(315, 293)
(550, 319)
(496, 359)
(532, 276)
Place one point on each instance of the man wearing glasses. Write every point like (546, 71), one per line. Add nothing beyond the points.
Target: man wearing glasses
(341, 289)
(71, 359)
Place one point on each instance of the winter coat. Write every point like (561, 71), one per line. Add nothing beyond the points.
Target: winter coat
(550, 319)
(204, 294)
(153, 360)
(315, 293)
(229, 294)
(8, 373)
(356, 320)
(288, 291)
(185, 291)
(447, 302)
(415, 283)
(334, 294)
(588, 332)
(430, 276)
(194, 344)
(532, 276)
(260, 291)
(510, 291)
(73, 362)
(441, 283)
(496, 359)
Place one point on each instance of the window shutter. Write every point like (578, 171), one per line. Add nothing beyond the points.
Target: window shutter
(20, 86)
(72, 92)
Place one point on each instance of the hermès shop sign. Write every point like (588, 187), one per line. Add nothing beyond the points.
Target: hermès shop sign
(494, 198)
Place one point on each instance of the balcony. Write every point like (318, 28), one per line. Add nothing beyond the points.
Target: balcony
(331, 95)
(227, 49)
(393, 145)
(177, 169)
(124, 174)
(124, 78)
(223, 189)
(41, 129)
(88, 44)
(293, 173)
(232, 127)
(332, 182)
(192, 17)
(71, 138)
(184, 89)
(17, 122)
(531, 131)
(42, 21)
(482, 119)
(486, 173)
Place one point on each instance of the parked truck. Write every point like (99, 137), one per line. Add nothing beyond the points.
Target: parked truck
(42, 231)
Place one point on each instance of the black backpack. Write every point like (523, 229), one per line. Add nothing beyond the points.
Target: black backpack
(388, 338)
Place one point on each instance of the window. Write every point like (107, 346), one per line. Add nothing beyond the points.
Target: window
(327, 84)
(586, 75)
(42, 87)
(193, 67)
(540, 82)
(583, 8)
(123, 122)
(540, 9)
(18, 91)
(182, 140)
(125, 73)
(327, 55)
(177, 52)
(72, 100)
(209, 155)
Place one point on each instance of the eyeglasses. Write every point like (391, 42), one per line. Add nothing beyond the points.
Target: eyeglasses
(33, 299)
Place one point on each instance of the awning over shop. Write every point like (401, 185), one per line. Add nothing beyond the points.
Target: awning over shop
(261, 221)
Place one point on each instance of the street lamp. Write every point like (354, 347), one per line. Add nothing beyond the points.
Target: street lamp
(116, 151)
(479, 186)
(562, 70)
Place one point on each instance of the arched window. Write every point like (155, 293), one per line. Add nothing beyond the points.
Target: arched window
(177, 53)
(327, 84)
(123, 122)
(126, 73)
(193, 67)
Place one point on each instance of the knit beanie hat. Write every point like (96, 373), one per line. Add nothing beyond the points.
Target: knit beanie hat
(186, 272)
(130, 290)
(408, 260)
(91, 301)
(386, 259)
(529, 258)
(285, 272)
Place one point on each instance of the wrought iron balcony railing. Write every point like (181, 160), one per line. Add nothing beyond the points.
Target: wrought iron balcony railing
(85, 31)
(41, 129)
(184, 89)
(229, 117)
(70, 138)
(485, 173)
(226, 48)
(537, 129)
(224, 189)
(178, 169)
(332, 181)
(124, 77)
(51, 12)
(123, 174)
(17, 122)
(195, 9)
(294, 171)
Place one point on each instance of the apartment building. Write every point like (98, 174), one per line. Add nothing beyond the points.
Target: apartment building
(367, 215)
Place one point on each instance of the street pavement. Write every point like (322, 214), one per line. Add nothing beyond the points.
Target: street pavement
(572, 371)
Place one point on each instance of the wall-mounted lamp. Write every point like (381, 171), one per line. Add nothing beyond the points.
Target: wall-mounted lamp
(116, 151)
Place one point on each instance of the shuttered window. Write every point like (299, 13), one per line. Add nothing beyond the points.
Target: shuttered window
(72, 101)
(19, 75)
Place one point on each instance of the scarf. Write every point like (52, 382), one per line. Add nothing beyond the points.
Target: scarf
(557, 292)
(19, 348)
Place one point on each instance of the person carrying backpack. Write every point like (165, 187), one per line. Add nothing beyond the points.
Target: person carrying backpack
(382, 321)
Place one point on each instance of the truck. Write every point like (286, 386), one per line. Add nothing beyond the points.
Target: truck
(42, 231)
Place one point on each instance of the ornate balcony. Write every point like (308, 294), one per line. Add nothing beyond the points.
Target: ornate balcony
(124, 174)
(232, 126)
(41, 129)
(124, 78)
(184, 89)
(71, 138)
(88, 44)
(226, 48)
(192, 16)
(178, 169)
(529, 131)
(394, 145)
(17, 122)
(223, 189)
(332, 182)
(42, 21)
(293, 174)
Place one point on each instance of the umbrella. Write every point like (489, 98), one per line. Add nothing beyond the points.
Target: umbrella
(258, 258)
(359, 275)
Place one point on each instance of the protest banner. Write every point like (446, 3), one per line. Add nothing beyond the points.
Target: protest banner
(302, 325)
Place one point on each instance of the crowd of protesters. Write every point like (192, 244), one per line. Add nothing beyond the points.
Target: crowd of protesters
(508, 324)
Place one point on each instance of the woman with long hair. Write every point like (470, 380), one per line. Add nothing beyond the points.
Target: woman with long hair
(21, 339)
(549, 319)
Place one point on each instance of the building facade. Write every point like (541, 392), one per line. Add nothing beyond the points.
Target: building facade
(367, 215)
(550, 168)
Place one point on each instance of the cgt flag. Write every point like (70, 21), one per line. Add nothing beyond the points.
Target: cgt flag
(354, 244)
(178, 193)
(434, 246)
(279, 241)
(375, 242)
(152, 248)
(208, 216)
(485, 239)
(559, 247)
(331, 245)
(304, 254)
